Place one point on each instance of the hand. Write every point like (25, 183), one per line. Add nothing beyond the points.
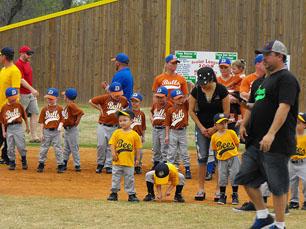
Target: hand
(27, 130)
(159, 196)
(238, 123)
(167, 193)
(204, 131)
(243, 132)
(136, 162)
(167, 140)
(266, 142)
(211, 131)
(115, 157)
(59, 128)
(77, 123)
(35, 93)
(143, 139)
(104, 84)
(42, 138)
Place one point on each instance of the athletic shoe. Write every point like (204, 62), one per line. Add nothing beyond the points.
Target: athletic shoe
(77, 168)
(304, 206)
(108, 170)
(275, 227)
(294, 205)
(222, 199)
(235, 199)
(138, 170)
(187, 174)
(149, 197)
(247, 206)
(263, 223)
(208, 176)
(40, 167)
(200, 196)
(99, 168)
(113, 197)
(60, 168)
(178, 198)
(24, 163)
(133, 198)
(12, 165)
(217, 197)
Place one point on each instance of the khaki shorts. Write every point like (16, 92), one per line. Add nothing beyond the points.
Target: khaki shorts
(29, 102)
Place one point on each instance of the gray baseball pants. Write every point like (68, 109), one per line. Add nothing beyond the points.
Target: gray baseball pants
(128, 174)
(104, 154)
(71, 145)
(160, 148)
(15, 137)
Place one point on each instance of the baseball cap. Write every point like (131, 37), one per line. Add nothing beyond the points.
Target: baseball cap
(126, 112)
(137, 96)
(218, 118)
(161, 91)
(273, 46)
(122, 58)
(52, 93)
(26, 49)
(171, 58)
(115, 88)
(70, 93)
(205, 75)
(225, 61)
(161, 174)
(11, 92)
(302, 117)
(8, 52)
(176, 94)
(259, 58)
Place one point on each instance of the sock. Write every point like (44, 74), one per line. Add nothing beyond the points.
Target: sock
(265, 198)
(187, 168)
(179, 189)
(280, 225)
(235, 188)
(150, 188)
(222, 189)
(261, 214)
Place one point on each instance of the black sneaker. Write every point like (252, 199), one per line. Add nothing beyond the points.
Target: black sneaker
(77, 168)
(12, 165)
(294, 205)
(65, 164)
(133, 198)
(304, 206)
(108, 170)
(99, 168)
(138, 170)
(113, 197)
(149, 197)
(247, 206)
(187, 174)
(40, 167)
(217, 197)
(24, 163)
(235, 199)
(263, 223)
(60, 168)
(178, 198)
(208, 176)
(222, 199)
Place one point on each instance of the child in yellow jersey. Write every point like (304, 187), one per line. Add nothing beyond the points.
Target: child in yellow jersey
(163, 174)
(124, 143)
(225, 143)
(297, 164)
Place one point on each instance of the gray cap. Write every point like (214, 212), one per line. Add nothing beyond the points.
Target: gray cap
(273, 46)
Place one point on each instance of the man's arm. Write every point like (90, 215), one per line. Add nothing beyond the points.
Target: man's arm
(25, 84)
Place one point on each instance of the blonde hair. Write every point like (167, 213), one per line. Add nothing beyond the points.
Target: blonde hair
(240, 63)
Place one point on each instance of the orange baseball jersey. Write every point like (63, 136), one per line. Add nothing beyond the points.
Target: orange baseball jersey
(226, 144)
(232, 83)
(159, 113)
(300, 148)
(139, 122)
(109, 108)
(171, 82)
(247, 82)
(51, 116)
(71, 113)
(12, 113)
(177, 116)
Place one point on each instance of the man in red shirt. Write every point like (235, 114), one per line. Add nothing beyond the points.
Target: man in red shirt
(27, 93)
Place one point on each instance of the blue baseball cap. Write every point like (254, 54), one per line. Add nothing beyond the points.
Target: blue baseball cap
(52, 93)
(259, 58)
(137, 96)
(115, 88)
(70, 93)
(175, 94)
(225, 61)
(302, 117)
(8, 52)
(122, 58)
(161, 92)
(172, 58)
(220, 117)
(9, 92)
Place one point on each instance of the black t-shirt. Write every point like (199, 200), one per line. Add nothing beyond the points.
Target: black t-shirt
(255, 86)
(206, 110)
(280, 87)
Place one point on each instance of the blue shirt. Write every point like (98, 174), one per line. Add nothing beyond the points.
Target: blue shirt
(125, 78)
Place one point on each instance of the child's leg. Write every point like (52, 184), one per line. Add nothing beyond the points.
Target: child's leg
(45, 144)
(20, 140)
(67, 148)
(233, 169)
(140, 157)
(129, 180)
(302, 175)
(10, 144)
(223, 173)
(294, 183)
(56, 142)
(108, 156)
(74, 145)
(183, 148)
(117, 173)
(156, 146)
(163, 146)
(173, 142)
(102, 144)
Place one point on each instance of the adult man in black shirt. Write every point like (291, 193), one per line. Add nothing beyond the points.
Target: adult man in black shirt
(270, 136)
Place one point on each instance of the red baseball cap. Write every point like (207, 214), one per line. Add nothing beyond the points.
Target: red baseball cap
(26, 49)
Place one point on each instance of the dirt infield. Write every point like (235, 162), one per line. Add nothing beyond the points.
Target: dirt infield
(86, 184)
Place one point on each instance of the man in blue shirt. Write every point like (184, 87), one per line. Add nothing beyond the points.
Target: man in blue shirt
(123, 75)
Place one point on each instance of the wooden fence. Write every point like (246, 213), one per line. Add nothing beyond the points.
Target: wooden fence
(74, 49)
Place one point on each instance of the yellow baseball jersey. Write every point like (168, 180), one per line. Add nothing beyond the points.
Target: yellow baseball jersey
(300, 148)
(9, 77)
(226, 144)
(173, 176)
(125, 144)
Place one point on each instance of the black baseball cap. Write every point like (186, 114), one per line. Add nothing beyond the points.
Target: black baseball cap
(8, 52)
(205, 75)
(302, 117)
(273, 46)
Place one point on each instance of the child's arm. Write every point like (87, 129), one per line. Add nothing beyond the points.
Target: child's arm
(159, 195)
(137, 157)
(167, 135)
(169, 189)
(143, 138)
(114, 153)
(78, 119)
(96, 106)
(3, 130)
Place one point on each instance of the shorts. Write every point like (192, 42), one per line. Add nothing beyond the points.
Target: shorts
(29, 102)
(258, 167)
(203, 145)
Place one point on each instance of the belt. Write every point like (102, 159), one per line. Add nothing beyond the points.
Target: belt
(300, 161)
(182, 128)
(13, 123)
(51, 129)
(108, 125)
(159, 127)
(68, 127)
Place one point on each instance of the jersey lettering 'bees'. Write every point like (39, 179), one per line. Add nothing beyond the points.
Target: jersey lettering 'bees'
(123, 146)
(224, 147)
(300, 151)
